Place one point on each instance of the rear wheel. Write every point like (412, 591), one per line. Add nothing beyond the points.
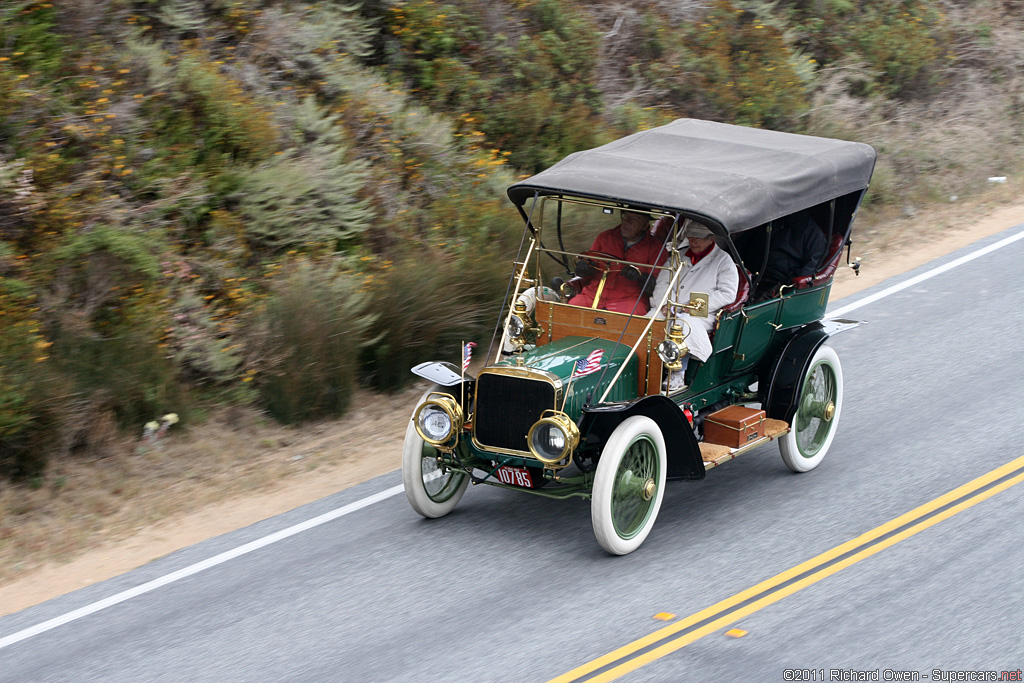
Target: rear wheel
(817, 415)
(432, 489)
(629, 485)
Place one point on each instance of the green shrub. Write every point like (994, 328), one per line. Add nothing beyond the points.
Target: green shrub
(106, 316)
(745, 69)
(204, 352)
(900, 41)
(307, 340)
(28, 30)
(307, 197)
(531, 92)
(214, 107)
(33, 397)
(125, 370)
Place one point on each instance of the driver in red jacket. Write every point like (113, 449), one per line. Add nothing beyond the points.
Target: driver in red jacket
(630, 240)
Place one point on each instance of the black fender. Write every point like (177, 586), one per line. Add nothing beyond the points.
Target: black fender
(785, 379)
(682, 451)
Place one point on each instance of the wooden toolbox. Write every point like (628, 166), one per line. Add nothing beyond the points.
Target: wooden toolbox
(734, 426)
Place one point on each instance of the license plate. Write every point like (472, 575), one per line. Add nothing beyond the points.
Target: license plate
(516, 476)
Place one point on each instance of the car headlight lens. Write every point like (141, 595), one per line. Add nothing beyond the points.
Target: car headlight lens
(516, 326)
(438, 419)
(669, 351)
(554, 437)
(435, 424)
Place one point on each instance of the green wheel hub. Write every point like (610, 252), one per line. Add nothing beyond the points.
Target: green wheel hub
(817, 408)
(635, 489)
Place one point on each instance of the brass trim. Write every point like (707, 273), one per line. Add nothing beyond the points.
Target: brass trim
(600, 290)
(647, 365)
(533, 374)
(551, 321)
(515, 295)
(638, 264)
(697, 306)
(527, 372)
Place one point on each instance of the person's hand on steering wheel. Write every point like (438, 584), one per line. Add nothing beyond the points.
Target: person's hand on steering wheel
(591, 262)
(632, 273)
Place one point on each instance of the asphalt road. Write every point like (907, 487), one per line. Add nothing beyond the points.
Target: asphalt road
(511, 587)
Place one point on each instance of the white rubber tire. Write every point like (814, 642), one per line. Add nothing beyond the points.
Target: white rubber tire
(445, 489)
(798, 447)
(632, 441)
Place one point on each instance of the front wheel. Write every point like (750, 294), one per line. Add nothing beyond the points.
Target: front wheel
(432, 490)
(629, 485)
(817, 414)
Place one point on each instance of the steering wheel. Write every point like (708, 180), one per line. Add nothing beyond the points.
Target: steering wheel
(597, 261)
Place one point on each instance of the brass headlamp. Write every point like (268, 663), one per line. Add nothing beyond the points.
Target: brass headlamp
(438, 419)
(554, 437)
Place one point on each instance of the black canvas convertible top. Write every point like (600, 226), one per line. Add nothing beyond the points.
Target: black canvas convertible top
(737, 176)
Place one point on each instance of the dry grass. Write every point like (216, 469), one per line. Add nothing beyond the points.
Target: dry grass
(882, 231)
(84, 502)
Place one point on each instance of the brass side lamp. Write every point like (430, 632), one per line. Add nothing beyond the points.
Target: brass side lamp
(674, 348)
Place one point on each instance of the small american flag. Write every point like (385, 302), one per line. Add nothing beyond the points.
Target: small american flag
(588, 365)
(467, 354)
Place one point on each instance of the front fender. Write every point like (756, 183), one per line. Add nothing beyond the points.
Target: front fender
(683, 451)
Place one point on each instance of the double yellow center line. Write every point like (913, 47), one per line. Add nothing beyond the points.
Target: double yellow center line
(671, 638)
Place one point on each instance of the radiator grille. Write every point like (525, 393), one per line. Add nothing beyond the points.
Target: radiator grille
(506, 408)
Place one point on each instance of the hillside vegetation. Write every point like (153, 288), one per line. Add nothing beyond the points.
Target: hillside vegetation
(246, 202)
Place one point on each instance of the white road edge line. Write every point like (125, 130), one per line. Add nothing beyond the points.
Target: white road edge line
(198, 567)
(395, 490)
(926, 275)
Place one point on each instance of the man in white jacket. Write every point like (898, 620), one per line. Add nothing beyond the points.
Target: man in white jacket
(705, 268)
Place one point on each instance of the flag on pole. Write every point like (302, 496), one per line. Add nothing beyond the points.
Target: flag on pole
(588, 365)
(467, 354)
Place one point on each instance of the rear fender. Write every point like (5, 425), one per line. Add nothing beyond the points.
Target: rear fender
(683, 452)
(785, 379)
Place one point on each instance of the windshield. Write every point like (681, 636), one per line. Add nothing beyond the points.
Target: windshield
(569, 230)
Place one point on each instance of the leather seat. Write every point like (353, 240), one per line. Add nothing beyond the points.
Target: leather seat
(835, 251)
(742, 292)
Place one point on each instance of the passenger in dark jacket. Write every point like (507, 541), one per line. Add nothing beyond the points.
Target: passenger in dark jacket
(796, 248)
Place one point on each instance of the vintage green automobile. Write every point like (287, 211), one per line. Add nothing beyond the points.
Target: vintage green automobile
(540, 420)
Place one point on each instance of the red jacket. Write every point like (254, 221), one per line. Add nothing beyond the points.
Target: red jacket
(620, 293)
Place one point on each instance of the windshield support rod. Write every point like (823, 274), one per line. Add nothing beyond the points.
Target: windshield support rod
(529, 225)
(828, 241)
(515, 294)
(764, 260)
